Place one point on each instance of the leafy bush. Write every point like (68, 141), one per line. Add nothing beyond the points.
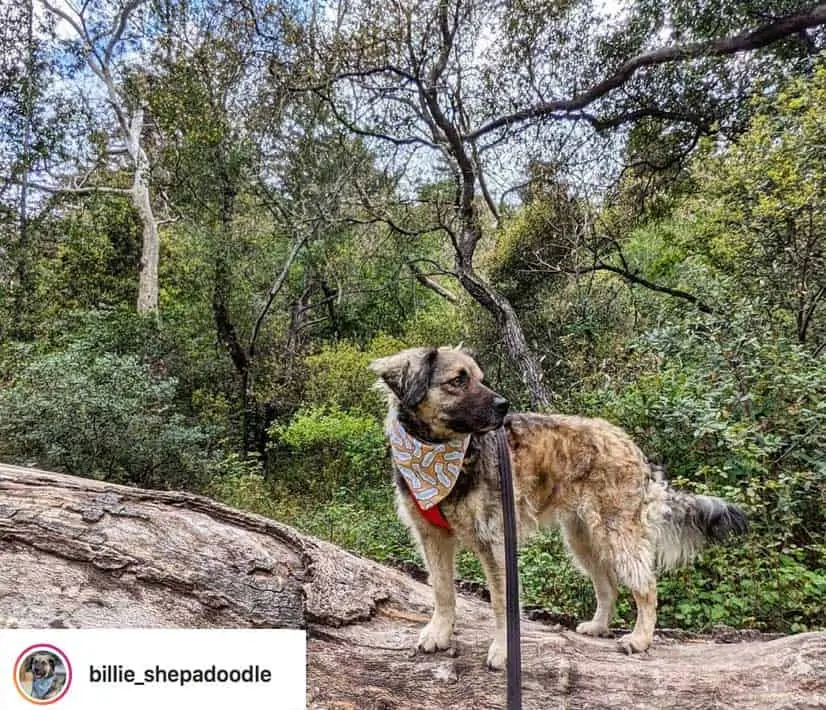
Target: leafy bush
(324, 449)
(103, 415)
(339, 376)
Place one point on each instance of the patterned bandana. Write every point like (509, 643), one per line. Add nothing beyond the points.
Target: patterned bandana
(430, 470)
(41, 686)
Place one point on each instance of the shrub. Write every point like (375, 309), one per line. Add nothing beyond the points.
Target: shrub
(239, 482)
(339, 376)
(102, 415)
(324, 449)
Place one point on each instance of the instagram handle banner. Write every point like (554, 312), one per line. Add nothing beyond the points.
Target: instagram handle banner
(97, 669)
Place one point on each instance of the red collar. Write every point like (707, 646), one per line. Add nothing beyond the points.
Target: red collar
(433, 515)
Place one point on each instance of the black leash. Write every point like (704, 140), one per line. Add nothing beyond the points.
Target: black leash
(514, 671)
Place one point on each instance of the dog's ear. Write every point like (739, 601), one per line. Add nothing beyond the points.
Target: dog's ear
(407, 373)
(51, 664)
(28, 664)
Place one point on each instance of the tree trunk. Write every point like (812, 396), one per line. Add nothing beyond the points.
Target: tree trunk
(81, 553)
(141, 201)
(520, 353)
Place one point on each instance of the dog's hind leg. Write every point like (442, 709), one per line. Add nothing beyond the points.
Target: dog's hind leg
(621, 545)
(633, 563)
(439, 548)
(602, 577)
(645, 597)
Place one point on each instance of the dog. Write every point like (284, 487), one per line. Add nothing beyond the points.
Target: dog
(45, 682)
(619, 518)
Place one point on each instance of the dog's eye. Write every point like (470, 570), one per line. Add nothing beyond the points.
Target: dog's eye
(460, 380)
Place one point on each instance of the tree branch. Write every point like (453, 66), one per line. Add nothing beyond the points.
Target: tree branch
(117, 33)
(278, 284)
(427, 282)
(808, 312)
(744, 41)
(629, 275)
(54, 190)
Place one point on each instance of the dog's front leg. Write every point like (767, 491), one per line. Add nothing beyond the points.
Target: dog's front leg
(492, 557)
(439, 548)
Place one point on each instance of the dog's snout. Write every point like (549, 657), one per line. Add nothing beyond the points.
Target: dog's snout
(500, 404)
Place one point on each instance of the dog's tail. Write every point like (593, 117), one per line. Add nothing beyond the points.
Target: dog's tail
(686, 523)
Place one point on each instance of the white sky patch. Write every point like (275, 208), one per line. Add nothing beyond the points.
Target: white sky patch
(62, 28)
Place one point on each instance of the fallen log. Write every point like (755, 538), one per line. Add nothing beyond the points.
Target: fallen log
(81, 553)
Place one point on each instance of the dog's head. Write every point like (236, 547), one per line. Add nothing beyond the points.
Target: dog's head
(440, 392)
(42, 665)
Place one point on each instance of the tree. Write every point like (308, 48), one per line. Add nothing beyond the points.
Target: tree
(32, 129)
(759, 211)
(471, 83)
(270, 185)
(107, 36)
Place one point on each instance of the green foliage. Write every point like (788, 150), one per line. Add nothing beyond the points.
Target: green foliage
(364, 521)
(759, 212)
(89, 258)
(331, 449)
(240, 483)
(339, 375)
(745, 585)
(100, 414)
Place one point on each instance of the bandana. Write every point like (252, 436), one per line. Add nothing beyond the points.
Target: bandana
(41, 686)
(429, 470)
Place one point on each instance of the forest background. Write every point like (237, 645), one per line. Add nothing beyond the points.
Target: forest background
(215, 213)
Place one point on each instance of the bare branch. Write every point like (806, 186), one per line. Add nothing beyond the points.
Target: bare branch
(117, 33)
(742, 42)
(425, 280)
(410, 140)
(275, 289)
(62, 14)
(651, 286)
(57, 190)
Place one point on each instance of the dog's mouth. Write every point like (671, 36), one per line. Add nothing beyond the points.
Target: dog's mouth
(40, 672)
(493, 426)
(490, 423)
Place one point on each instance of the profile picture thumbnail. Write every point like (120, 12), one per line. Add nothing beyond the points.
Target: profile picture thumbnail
(42, 674)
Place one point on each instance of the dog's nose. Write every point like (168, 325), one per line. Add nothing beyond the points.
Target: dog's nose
(500, 404)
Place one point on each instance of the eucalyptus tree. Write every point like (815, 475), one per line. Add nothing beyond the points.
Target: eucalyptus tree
(112, 39)
(481, 88)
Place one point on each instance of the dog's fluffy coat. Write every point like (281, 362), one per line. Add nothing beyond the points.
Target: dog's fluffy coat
(619, 518)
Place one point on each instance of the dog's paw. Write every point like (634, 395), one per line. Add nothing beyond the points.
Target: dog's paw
(435, 637)
(633, 643)
(593, 628)
(497, 655)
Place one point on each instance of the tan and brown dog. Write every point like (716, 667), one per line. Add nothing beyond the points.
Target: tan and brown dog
(44, 682)
(619, 518)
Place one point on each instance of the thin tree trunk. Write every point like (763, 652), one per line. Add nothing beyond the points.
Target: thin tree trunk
(513, 337)
(141, 201)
